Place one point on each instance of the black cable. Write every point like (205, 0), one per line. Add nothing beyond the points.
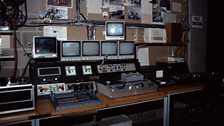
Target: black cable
(14, 2)
(14, 13)
(83, 16)
(2, 11)
(21, 45)
(79, 10)
(23, 17)
(25, 52)
(24, 72)
(153, 2)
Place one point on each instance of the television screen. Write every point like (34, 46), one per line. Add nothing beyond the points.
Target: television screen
(91, 48)
(44, 47)
(115, 30)
(126, 48)
(109, 48)
(71, 48)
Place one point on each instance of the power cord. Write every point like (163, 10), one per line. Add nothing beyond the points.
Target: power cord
(105, 58)
(24, 72)
(79, 10)
(2, 13)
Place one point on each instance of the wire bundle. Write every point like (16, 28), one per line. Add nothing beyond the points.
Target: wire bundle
(14, 12)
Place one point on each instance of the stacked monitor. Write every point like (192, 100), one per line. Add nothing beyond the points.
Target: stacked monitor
(126, 50)
(113, 47)
(91, 50)
(72, 50)
(109, 49)
(44, 47)
(115, 30)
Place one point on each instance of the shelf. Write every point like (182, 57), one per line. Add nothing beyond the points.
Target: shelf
(129, 25)
(158, 44)
(7, 58)
(8, 32)
(34, 22)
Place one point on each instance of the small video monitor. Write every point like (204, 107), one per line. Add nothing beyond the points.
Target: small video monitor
(115, 30)
(109, 49)
(126, 49)
(91, 50)
(70, 50)
(44, 47)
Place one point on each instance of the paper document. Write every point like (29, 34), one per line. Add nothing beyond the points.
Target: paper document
(143, 56)
(58, 31)
(94, 6)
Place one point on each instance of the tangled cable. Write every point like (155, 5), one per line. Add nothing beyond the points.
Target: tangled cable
(14, 11)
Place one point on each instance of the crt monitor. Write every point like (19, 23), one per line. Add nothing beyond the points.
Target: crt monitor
(44, 47)
(70, 50)
(109, 49)
(126, 49)
(115, 30)
(90, 50)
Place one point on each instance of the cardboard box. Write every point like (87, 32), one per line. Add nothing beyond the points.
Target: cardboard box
(173, 32)
(179, 7)
(156, 53)
(152, 54)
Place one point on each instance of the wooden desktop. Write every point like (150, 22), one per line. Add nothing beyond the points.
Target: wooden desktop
(45, 109)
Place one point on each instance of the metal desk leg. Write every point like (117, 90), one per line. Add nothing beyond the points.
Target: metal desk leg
(166, 112)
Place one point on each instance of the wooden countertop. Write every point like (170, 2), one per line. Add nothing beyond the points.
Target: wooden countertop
(45, 108)
(181, 88)
(19, 116)
(113, 102)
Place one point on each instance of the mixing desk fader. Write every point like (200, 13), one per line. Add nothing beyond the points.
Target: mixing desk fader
(80, 94)
(72, 100)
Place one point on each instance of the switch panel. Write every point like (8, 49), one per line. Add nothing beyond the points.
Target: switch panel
(111, 68)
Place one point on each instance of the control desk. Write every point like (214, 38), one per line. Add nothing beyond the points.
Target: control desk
(45, 113)
(82, 79)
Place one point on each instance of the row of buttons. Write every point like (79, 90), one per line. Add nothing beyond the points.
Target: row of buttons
(110, 68)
